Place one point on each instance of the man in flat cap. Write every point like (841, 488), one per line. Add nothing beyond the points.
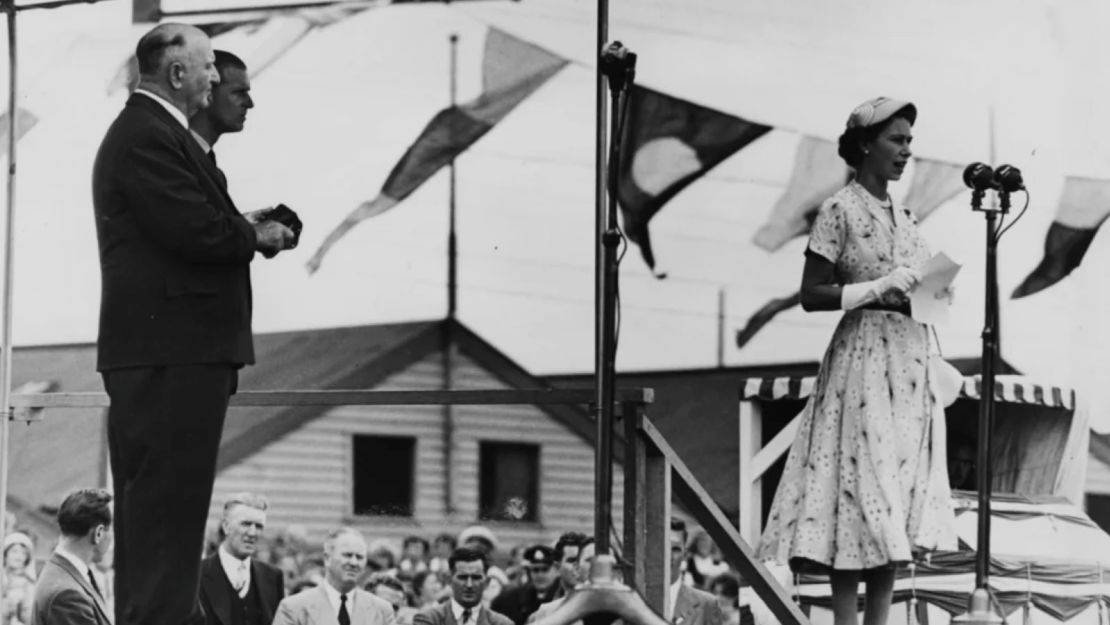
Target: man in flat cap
(520, 601)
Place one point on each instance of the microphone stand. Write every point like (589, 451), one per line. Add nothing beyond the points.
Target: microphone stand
(980, 611)
(617, 65)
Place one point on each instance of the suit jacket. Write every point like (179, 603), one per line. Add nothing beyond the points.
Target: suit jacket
(441, 614)
(215, 590)
(696, 607)
(63, 596)
(311, 607)
(174, 252)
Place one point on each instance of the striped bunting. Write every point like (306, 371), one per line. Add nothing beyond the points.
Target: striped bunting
(1009, 389)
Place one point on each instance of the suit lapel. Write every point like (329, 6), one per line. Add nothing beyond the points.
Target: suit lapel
(323, 613)
(683, 606)
(218, 588)
(83, 582)
(189, 143)
(265, 596)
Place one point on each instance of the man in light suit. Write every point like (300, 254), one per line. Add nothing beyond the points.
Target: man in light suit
(175, 322)
(686, 605)
(236, 589)
(339, 600)
(68, 592)
(467, 567)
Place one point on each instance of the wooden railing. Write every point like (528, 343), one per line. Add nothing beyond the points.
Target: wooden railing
(653, 473)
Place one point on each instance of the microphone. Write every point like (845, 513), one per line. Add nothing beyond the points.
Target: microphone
(1007, 178)
(980, 177)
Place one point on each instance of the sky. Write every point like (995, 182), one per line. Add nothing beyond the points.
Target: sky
(994, 81)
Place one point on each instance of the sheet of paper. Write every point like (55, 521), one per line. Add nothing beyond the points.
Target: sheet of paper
(929, 301)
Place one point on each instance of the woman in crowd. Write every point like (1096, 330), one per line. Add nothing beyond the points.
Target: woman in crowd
(18, 579)
(865, 487)
(427, 589)
(703, 564)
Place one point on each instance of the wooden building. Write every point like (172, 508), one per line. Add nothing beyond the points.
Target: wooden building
(524, 471)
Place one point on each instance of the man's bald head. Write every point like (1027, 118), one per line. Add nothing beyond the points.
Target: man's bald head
(175, 62)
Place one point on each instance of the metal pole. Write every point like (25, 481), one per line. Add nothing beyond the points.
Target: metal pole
(9, 238)
(721, 327)
(986, 410)
(603, 335)
(448, 344)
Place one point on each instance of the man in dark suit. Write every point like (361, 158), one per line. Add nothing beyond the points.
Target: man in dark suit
(520, 601)
(467, 567)
(175, 315)
(235, 588)
(338, 600)
(68, 592)
(687, 605)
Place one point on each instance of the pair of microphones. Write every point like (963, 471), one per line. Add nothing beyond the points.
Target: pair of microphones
(981, 177)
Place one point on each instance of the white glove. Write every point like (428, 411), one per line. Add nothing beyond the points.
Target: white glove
(901, 280)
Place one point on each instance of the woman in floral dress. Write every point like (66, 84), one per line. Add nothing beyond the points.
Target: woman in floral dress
(865, 486)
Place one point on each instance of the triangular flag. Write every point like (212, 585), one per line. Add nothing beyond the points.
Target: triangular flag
(1084, 205)
(24, 121)
(764, 315)
(667, 144)
(934, 183)
(511, 70)
(818, 173)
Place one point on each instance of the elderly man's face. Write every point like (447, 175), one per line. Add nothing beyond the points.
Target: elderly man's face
(198, 73)
(345, 561)
(243, 527)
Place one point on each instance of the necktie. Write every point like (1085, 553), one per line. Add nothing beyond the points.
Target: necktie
(96, 587)
(344, 616)
(212, 157)
(466, 616)
(241, 578)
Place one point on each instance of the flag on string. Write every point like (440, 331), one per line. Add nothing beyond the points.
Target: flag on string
(764, 315)
(24, 121)
(512, 70)
(1084, 206)
(818, 173)
(934, 183)
(668, 143)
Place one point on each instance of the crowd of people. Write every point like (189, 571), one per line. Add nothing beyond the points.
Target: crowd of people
(251, 573)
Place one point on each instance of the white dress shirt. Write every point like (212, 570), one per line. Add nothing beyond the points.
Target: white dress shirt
(334, 598)
(675, 587)
(173, 110)
(457, 610)
(238, 571)
(77, 563)
(204, 146)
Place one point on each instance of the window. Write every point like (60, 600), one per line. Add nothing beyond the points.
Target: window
(383, 475)
(1098, 508)
(508, 488)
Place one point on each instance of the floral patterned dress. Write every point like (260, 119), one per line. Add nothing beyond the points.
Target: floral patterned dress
(866, 483)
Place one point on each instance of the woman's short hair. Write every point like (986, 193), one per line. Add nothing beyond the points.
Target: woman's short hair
(850, 143)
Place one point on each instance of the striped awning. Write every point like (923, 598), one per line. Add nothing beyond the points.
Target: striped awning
(1008, 388)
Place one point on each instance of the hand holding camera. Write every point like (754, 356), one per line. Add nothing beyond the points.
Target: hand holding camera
(278, 229)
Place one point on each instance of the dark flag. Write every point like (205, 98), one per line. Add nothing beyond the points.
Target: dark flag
(1084, 206)
(764, 315)
(667, 144)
